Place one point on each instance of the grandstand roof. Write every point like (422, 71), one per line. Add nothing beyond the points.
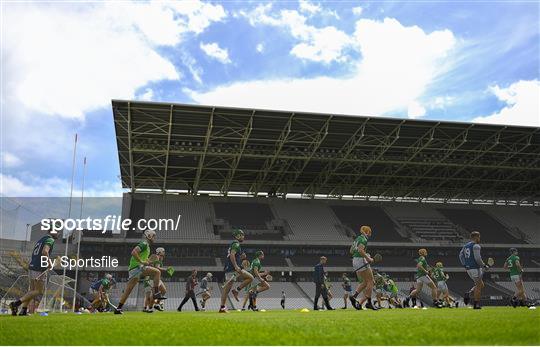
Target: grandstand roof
(170, 147)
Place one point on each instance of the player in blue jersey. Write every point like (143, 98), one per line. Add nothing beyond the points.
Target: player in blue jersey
(347, 289)
(471, 259)
(37, 272)
(233, 271)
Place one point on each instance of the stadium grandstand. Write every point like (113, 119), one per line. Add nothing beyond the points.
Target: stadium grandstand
(301, 184)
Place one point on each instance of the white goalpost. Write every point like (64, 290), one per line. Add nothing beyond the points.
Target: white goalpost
(51, 300)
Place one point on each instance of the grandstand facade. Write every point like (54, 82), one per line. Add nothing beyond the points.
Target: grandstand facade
(300, 185)
(294, 233)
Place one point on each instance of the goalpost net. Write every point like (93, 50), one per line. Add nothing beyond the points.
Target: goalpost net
(50, 301)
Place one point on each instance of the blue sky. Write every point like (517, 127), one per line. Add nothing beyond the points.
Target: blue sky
(62, 63)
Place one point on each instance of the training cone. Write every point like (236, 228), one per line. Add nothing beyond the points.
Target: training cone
(424, 308)
(44, 314)
(263, 310)
(532, 308)
(304, 310)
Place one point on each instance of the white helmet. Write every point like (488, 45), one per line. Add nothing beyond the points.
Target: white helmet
(149, 234)
(108, 276)
(160, 251)
(209, 275)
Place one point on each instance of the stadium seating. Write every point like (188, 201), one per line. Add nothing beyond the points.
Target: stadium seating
(271, 299)
(491, 295)
(244, 215)
(522, 219)
(309, 220)
(318, 220)
(432, 229)
(274, 260)
(354, 216)
(195, 220)
(532, 289)
(475, 219)
(312, 260)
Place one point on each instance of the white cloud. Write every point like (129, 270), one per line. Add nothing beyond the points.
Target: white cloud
(85, 54)
(415, 110)
(357, 10)
(332, 13)
(195, 70)
(214, 51)
(10, 160)
(260, 47)
(308, 7)
(35, 186)
(441, 102)
(200, 15)
(522, 100)
(324, 45)
(148, 95)
(397, 65)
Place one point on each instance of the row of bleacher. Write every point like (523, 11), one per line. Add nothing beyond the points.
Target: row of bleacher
(195, 217)
(309, 220)
(301, 294)
(532, 289)
(324, 220)
(432, 229)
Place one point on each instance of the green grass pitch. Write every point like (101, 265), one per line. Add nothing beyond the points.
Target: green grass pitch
(489, 326)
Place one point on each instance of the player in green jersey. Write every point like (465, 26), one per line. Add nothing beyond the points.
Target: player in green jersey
(361, 260)
(379, 288)
(422, 277)
(233, 271)
(392, 290)
(255, 270)
(139, 267)
(148, 297)
(513, 265)
(246, 266)
(156, 260)
(99, 292)
(440, 278)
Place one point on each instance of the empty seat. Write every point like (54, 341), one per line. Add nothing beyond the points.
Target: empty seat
(356, 216)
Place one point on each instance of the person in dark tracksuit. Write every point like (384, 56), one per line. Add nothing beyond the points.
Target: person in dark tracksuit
(320, 288)
(191, 283)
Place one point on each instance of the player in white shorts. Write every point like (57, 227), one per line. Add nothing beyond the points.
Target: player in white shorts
(360, 263)
(206, 290)
(422, 277)
(471, 258)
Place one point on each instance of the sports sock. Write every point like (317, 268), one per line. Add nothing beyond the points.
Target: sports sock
(120, 305)
(355, 295)
(18, 303)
